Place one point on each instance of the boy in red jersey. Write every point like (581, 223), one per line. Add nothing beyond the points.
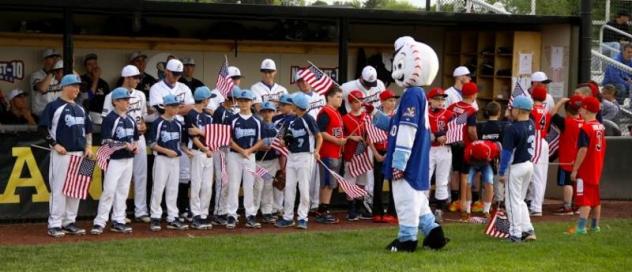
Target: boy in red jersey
(480, 155)
(440, 153)
(542, 120)
(589, 165)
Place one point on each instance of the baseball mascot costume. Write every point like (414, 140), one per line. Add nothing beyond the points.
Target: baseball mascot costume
(407, 162)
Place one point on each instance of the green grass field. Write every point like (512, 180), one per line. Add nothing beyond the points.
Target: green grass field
(360, 250)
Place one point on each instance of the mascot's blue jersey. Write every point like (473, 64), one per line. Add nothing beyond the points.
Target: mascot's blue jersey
(412, 112)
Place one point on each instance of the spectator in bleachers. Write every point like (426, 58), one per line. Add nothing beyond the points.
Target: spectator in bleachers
(19, 112)
(614, 39)
(45, 81)
(621, 80)
(609, 105)
(187, 75)
(93, 88)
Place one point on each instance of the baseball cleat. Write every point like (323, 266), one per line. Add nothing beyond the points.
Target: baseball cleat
(154, 225)
(231, 222)
(269, 218)
(535, 214)
(595, 229)
(455, 206)
(575, 231)
(326, 218)
(251, 222)
(72, 229)
(120, 228)
(564, 211)
(282, 223)
(177, 225)
(142, 219)
(56, 232)
(302, 224)
(219, 220)
(529, 235)
(390, 219)
(406, 246)
(378, 219)
(200, 224)
(477, 207)
(96, 230)
(514, 239)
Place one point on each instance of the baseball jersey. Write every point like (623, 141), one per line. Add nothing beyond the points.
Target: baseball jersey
(353, 126)
(264, 92)
(492, 130)
(161, 89)
(268, 133)
(246, 131)
(67, 124)
(302, 130)
(119, 129)
(167, 134)
(519, 137)
(542, 120)
(371, 95)
(330, 121)
(472, 152)
(412, 111)
(316, 103)
(282, 121)
(459, 108)
(137, 108)
(439, 119)
(41, 100)
(454, 96)
(223, 116)
(569, 134)
(592, 136)
(146, 82)
(199, 120)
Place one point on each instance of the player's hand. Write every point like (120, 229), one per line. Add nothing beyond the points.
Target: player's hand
(398, 174)
(574, 175)
(88, 153)
(60, 149)
(317, 156)
(378, 157)
(246, 153)
(564, 100)
(442, 139)
(342, 141)
(209, 153)
(141, 126)
(195, 131)
(171, 154)
(189, 153)
(356, 138)
(501, 179)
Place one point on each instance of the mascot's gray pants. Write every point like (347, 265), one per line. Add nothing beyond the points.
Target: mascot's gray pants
(413, 211)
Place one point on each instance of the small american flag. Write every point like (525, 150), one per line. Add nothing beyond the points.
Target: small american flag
(224, 171)
(353, 191)
(360, 164)
(553, 138)
(261, 173)
(78, 177)
(224, 83)
(374, 134)
(518, 91)
(537, 147)
(318, 80)
(216, 136)
(498, 225)
(105, 151)
(455, 128)
(276, 145)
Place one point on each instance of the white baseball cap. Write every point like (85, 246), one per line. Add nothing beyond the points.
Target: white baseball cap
(58, 65)
(461, 71)
(234, 71)
(15, 93)
(175, 65)
(129, 71)
(268, 64)
(50, 52)
(369, 76)
(540, 76)
(188, 61)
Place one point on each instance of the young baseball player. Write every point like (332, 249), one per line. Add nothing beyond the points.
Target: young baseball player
(569, 132)
(542, 120)
(266, 89)
(492, 130)
(117, 128)
(68, 132)
(138, 111)
(245, 141)
(355, 130)
(303, 141)
(516, 168)
(588, 166)
(202, 160)
(388, 105)
(268, 159)
(166, 142)
(281, 123)
(466, 109)
(480, 155)
(440, 153)
(332, 131)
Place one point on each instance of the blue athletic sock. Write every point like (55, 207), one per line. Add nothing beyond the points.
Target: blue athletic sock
(427, 223)
(581, 224)
(593, 223)
(407, 233)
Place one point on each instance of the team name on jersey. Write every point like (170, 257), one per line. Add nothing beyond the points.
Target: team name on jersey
(166, 136)
(245, 132)
(122, 132)
(298, 132)
(74, 120)
(493, 136)
(317, 104)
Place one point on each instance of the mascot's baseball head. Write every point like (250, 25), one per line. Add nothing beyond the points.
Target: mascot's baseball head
(414, 63)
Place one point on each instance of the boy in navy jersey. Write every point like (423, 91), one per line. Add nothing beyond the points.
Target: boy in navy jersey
(68, 132)
(492, 130)
(268, 159)
(515, 161)
(117, 128)
(303, 140)
(202, 161)
(166, 142)
(245, 141)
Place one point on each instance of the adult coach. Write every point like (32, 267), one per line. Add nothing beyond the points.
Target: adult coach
(138, 59)
(187, 74)
(368, 84)
(266, 89)
(68, 131)
(45, 81)
(461, 76)
(137, 109)
(540, 78)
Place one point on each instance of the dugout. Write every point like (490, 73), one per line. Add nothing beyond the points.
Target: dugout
(339, 40)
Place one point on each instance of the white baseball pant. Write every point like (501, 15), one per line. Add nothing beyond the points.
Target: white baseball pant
(140, 178)
(297, 172)
(361, 180)
(115, 190)
(185, 169)
(237, 166)
(440, 165)
(201, 184)
(519, 177)
(264, 191)
(314, 187)
(63, 209)
(165, 176)
(221, 190)
(538, 182)
(410, 205)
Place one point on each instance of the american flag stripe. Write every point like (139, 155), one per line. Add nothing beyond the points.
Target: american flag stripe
(537, 147)
(352, 190)
(78, 177)
(360, 164)
(319, 81)
(224, 171)
(105, 151)
(456, 126)
(276, 145)
(498, 225)
(216, 136)
(261, 173)
(518, 90)
(374, 134)
(224, 83)
(554, 140)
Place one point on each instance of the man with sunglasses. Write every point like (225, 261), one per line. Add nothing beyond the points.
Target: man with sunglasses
(137, 109)
(266, 89)
(139, 60)
(45, 81)
(187, 75)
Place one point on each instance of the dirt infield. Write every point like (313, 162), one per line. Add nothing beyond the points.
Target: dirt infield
(33, 234)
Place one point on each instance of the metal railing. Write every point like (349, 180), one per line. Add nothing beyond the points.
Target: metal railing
(614, 29)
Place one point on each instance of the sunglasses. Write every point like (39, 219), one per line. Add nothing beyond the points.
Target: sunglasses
(176, 74)
(138, 77)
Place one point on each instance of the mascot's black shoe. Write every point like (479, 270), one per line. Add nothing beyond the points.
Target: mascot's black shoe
(397, 246)
(435, 239)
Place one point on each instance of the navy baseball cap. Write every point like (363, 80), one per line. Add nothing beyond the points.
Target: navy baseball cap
(202, 93)
(268, 106)
(70, 79)
(120, 93)
(170, 100)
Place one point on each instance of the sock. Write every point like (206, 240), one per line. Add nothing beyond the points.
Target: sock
(468, 206)
(475, 196)
(322, 208)
(581, 224)
(593, 223)
(454, 195)
(486, 206)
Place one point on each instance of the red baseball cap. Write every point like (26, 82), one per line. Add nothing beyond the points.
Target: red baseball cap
(355, 95)
(469, 88)
(436, 91)
(594, 87)
(575, 102)
(539, 92)
(591, 104)
(480, 151)
(387, 94)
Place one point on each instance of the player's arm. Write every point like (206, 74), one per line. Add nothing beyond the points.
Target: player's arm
(582, 144)
(471, 127)
(88, 130)
(184, 109)
(43, 84)
(322, 121)
(506, 153)
(559, 104)
(170, 153)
